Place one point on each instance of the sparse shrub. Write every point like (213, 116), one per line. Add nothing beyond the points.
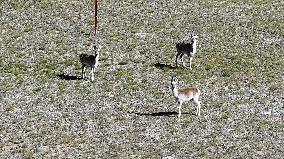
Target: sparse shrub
(9, 109)
(123, 62)
(226, 72)
(120, 73)
(70, 62)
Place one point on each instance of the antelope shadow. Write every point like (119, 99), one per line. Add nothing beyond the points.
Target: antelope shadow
(68, 77)
(164, 66)
(166, 114)
(155, 114)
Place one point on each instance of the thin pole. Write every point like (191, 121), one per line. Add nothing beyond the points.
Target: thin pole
(95, 17)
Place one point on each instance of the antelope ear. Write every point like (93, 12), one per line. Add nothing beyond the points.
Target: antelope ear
(193, 34)
(173, 78)
(95, 48)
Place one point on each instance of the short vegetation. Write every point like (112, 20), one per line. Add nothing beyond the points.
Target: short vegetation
(128, 111)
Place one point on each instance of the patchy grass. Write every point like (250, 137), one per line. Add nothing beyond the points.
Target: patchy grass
(129, 110)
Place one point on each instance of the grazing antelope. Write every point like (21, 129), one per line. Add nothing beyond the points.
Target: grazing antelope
(186, 94)
(91, 61)
(186, 48)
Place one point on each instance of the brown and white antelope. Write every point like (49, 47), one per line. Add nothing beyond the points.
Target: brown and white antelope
(186, 48)
(186, 94)
(91, 61)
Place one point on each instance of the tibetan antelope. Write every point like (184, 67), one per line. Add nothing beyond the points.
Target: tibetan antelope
(186, 94)
(186, 48)
(91, 61)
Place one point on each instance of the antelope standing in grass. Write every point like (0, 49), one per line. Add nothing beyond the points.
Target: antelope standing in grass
(186, 94)
(91, 61)
(186, 48)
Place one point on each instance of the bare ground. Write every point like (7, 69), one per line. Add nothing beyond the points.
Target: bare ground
(47, 111)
